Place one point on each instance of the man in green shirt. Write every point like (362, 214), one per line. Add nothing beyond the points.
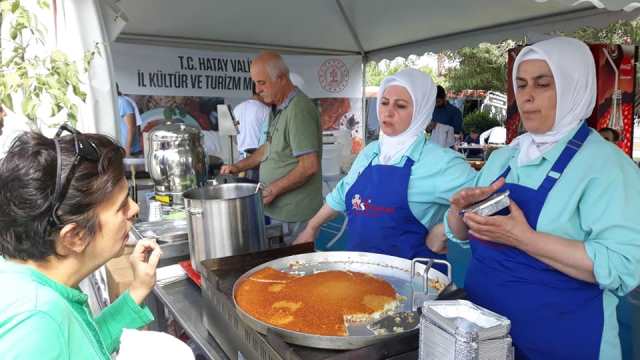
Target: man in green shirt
(290, 159)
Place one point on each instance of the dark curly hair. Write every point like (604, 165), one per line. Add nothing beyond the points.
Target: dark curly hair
(27, 186)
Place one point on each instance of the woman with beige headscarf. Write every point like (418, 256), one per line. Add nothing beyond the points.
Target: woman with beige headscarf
(398, 187)
(570, 240)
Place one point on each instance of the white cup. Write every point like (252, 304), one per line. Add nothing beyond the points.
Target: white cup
(155, 210)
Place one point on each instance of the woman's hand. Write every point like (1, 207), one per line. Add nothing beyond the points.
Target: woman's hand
(512, 229)
(144, 271)
(464, 198)
(436, 239)
(310, 232)
(306, 236)
(469, 196)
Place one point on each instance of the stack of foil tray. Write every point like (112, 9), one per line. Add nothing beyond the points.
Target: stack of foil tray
(461, 330)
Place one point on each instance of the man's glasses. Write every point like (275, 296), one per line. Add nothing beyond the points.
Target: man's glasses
(84, 149)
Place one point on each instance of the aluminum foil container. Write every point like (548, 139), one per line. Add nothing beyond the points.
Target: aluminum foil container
(465, 318)
(461, 330)
(438, 344)
(489, 206)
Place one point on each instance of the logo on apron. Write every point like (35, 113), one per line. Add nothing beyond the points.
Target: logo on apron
(366, 207)
(357, 204)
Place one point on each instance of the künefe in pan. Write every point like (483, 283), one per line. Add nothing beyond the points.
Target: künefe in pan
(321, 303)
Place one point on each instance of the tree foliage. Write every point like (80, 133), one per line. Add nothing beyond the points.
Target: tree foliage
(484, 67)
(620, 32)
(34, 77)
(479, 121)
(375, 72)
(480, 68)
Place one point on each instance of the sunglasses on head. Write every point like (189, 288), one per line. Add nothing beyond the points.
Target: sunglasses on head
(84, 149)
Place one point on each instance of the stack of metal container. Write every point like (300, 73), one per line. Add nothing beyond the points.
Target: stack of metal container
(461, 330)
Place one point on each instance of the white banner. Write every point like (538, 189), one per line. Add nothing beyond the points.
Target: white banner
(153, 70)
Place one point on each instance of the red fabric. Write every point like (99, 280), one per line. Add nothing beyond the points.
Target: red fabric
(191, 273)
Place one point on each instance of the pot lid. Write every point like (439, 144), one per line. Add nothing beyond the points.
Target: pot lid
(170, 130)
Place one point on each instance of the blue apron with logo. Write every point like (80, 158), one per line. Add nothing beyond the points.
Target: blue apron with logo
(380, 220)
(553, 316)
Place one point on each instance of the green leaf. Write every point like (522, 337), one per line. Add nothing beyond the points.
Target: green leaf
(44, 4)
(35, 76)
(7, 101)
(29, 107)
(12, 79)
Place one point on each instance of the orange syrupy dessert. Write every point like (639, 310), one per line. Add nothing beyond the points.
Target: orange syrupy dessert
(320, 303)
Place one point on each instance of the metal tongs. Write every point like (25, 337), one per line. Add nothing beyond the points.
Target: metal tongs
(409, 320)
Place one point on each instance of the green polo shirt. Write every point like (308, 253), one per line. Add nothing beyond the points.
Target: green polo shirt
(294, 130)
(43, 319)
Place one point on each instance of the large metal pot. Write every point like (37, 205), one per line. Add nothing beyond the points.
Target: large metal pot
(230, 179)
(224, 220)
(176, 160)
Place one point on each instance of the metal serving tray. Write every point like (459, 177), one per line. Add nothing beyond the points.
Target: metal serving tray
(164, 230)
(397, 271)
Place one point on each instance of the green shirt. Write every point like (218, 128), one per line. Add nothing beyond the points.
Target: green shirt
(596, 201)
(294, 130)
(43, 319)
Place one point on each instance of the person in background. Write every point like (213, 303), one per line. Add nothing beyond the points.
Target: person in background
(609, 134)
(447, 114)
(250, 114)
(473, 138)
(446, 124)
(570, 240)
(289, 161)
(441, 134)
(65, 212)
(497, 135)
(129, 134)
(398, 187)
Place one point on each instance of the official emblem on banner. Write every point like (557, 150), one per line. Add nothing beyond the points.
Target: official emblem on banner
(333, 75)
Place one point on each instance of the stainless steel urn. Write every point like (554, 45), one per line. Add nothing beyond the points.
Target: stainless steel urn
(176, 159)
(224, 220)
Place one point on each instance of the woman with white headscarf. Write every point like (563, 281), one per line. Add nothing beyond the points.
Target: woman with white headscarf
(570, 239)
(398, 187)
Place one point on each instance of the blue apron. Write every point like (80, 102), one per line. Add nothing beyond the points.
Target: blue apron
(553, 316)
(380, 220)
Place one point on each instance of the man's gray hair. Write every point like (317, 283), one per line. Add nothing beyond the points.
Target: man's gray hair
(276, 67)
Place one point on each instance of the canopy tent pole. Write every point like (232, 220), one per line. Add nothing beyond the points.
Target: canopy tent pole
(352, 30)
(356, 39)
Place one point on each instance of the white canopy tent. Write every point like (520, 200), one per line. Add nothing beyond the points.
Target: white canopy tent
(375, 28)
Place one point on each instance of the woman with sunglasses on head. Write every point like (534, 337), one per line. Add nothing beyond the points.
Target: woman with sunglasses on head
(65, 212)
(570, 240)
